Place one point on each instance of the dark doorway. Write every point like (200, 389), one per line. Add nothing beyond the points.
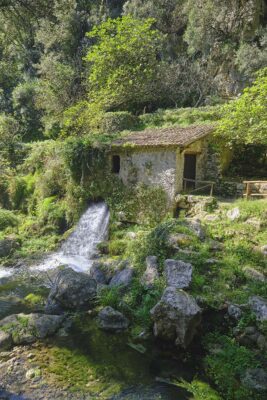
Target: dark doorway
(190, 161)
(116, 164)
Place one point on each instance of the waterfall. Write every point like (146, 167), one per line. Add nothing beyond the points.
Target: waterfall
(80, 248)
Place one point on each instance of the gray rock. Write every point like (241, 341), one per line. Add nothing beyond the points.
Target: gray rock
(196, 226)
(122, 278)
(255, 222)
(234, 312)
(98, 274)
(255, 379)
(6, 341)
(27, 328)
(214, 245)
(233, 214)
(178, 273)
(179, 239)
(33, 373)
(103, 271)
(7, 246)
(249, 337)
(176, 317)
(112, 320)
(263, 250)
(259, 306)
(151, 273)
(71, 291)
(252, 273)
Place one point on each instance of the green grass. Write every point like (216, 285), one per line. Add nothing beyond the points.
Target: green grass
(180, 116)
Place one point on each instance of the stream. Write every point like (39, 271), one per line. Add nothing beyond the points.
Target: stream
(111, 356)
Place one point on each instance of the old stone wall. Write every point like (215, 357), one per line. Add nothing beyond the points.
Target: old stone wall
(164, 167)
(150, 167)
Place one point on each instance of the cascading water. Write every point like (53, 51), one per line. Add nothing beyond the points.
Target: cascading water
(80, 248)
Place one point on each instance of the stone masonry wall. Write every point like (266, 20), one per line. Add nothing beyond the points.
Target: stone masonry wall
(150, 167)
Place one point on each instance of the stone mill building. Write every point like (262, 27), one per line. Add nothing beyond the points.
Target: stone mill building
(166, 157)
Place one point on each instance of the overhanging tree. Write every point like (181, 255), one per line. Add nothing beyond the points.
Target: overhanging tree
(245, 119)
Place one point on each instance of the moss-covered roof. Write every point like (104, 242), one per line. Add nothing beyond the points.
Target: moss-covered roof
(171, 136)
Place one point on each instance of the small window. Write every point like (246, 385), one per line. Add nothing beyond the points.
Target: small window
(116, 164)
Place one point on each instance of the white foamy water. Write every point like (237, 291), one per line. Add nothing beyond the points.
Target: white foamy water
(79, 250)
(5, 272)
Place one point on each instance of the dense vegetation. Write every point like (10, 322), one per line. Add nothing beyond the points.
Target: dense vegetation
(75, 74)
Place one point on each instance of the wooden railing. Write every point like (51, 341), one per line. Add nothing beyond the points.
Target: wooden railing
(250, 185)
(207, 184)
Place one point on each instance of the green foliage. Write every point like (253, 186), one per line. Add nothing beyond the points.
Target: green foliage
(155, 242)
(34, 299)
(123, 63)
(113, 122)
(53, 213)
(117, 247)
(200, 390)
(7, 219)
(11, 150)
(245, 120)
(226, 366)
(135, 303)
(181, 116)
(27, 114)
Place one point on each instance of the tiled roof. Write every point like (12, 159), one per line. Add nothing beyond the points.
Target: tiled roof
(172, 136)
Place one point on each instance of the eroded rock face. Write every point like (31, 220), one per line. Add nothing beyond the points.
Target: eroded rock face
(178, 273)
(176, 317)
(151, 273)
(112, 320)
(123, 277)
(259, 306)
(27, 328)
(71, 291)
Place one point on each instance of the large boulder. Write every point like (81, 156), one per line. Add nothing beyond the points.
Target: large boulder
(102, 272)
(259, 306)
(151, 273)
(71, 291)
(112, 320)
(7, 246)
(27, 328)
(176, 317)
(122, 278)
(178, 273)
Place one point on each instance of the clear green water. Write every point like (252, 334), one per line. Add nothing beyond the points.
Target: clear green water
(100, 363)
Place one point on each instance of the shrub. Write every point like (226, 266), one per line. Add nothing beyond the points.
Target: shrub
(53, 212)
(200, 390)
(227, 365)
(117, 247)
(7, 219)
(113, 122)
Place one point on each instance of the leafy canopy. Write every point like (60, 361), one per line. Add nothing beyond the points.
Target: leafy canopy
(245, 119)
(123, 63)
